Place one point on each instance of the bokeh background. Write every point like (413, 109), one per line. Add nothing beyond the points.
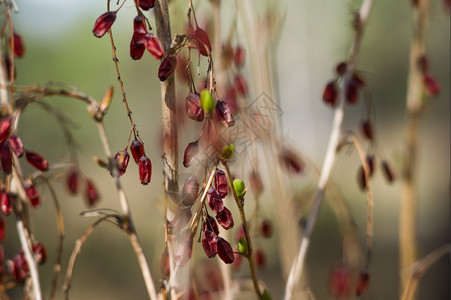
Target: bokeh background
(316, 35)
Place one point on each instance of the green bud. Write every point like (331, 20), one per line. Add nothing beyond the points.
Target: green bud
(207, 101)
(227, 151)
(239, 187)
(242, 246)
(266, 295)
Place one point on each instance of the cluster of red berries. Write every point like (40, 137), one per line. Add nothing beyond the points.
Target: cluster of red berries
(341, 285)
(139, 156)
(72, 182)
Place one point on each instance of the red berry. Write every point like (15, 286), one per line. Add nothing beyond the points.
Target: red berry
(209, 243)
(223, 113)
(92, 195)
(341, 68)
(202, 41)
(104, 23)
(72, 181)
(139, 25)
(40, 253)
(330, 94)
(214, 200)
(122, 158)
(146, 4)
(362, 282)
(137, 150)
(239, 56)
(193, 108)
(154, 46)
(37, 161)
(431, 86)
(6, 203)
(2, 228)
(145, 170)
(225, 251)
(6, 159)
(225, 218)
(240, 85)
(340, 281)
(32, 194)
(291, 161)
(210, 224)
(190, 153)
(231, 99)
(221, 184)
(16, 145)
(137, 46)
(190, 191)
(5, 126)
(19, 45)
(366, 128)
(266, 228)
(388, 172)
(352, 92)
(167, 67)
(260, 258)
(19, 267)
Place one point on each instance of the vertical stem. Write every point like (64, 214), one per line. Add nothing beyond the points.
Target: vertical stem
(407, 213)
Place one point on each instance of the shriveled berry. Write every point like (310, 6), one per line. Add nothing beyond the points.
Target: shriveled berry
(145, 170)
(202, 41)
(209, 243)
(266, 228)
(5, 126)
(366, 128)
(225, 218)
(239, 56)
(104, 23)
(2, 228)
(6, 203)
(32, 194)
(330, 94)
(190, 191)
(223, 113)
(190, 153)
(19, 45)
(388, 172)
(122, 158)
(72, 181)
(153, 45)
(221, 184)
(362, 282)
(167, 67)
(193, 108)
(6, 159)
(431, 86)
(137, 46)
(37, 161)
(210, 224)
(225, 251)
(239, 187)
(16, 145)
(40, 253)
(340, 281)
(260, 258)
(240, 85)
(137, 150)
(207, 102)
(92, 195)
(146, 4)
(214, 200)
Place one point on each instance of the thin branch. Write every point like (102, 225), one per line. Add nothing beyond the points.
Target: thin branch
(298, 265)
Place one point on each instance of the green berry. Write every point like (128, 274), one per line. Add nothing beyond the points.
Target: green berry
(207, 101)
(239, 187)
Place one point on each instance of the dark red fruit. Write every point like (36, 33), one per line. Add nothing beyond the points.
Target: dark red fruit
(2, 228)
(190, 153)
(6, 203)
(37, 161)
(145, 170)
(167, 67)
(40, 253)
(362, 282)
(221, 184)
(190, 191)
(210, 224)
(137, 150)
(92, 195)
(104, 23)
(330, 94)
(19, 268)
(202, 41)
(154, 46)
(260, 258)
(6, 159)
(239, 56)
(224, 114)
(431, 86)
(352, 92)
(291, 161)
(388, 172)
(209, 243)
(361, 173)
(240, 85)
(225, 218)
(5, 126)
(193, 108)
(340, 281)
(16, 145)
(266, 228)
(139, 26)
(122, 158)
(137, 46)
(225, 251)
(72, 181)
(341, 68)
(146, 4)
(214, 200)
(19, 45)
(32, 194)
(366, 128)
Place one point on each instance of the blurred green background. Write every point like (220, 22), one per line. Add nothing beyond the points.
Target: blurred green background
(316, 35)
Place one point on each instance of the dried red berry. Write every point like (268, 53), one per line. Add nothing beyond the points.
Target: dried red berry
(154, 46)
(352, 92)
(72, 181)
(104, 23)
(2, 228)
(221, 184)
(122, 158)
(6, 159)
(139, 25)
(145, 170)
(340, 281)
(6, 203)
(362, 282)
(209, 243)
(193, 108)
(366, 128)
(5, 126)
(167, 67)
(190, 152)
(225, 251)
(19, 45)
(210, 224)
(19, 268)
(92, 195)
(431, 86)
(225, 218)
(240, 85)
(190, 191)
(32, 194)
(16, 145)
(137, 150)
(146, 4)
(40, 253)
(388, 172)
(341, 68)
(214, 200)
(291, 161)
(361, 173)
(266, 228)
(203, 42)
(137, 46)
(330, 94)
(223, 113)
(239, 56)
(260, 258)
(37, 161)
